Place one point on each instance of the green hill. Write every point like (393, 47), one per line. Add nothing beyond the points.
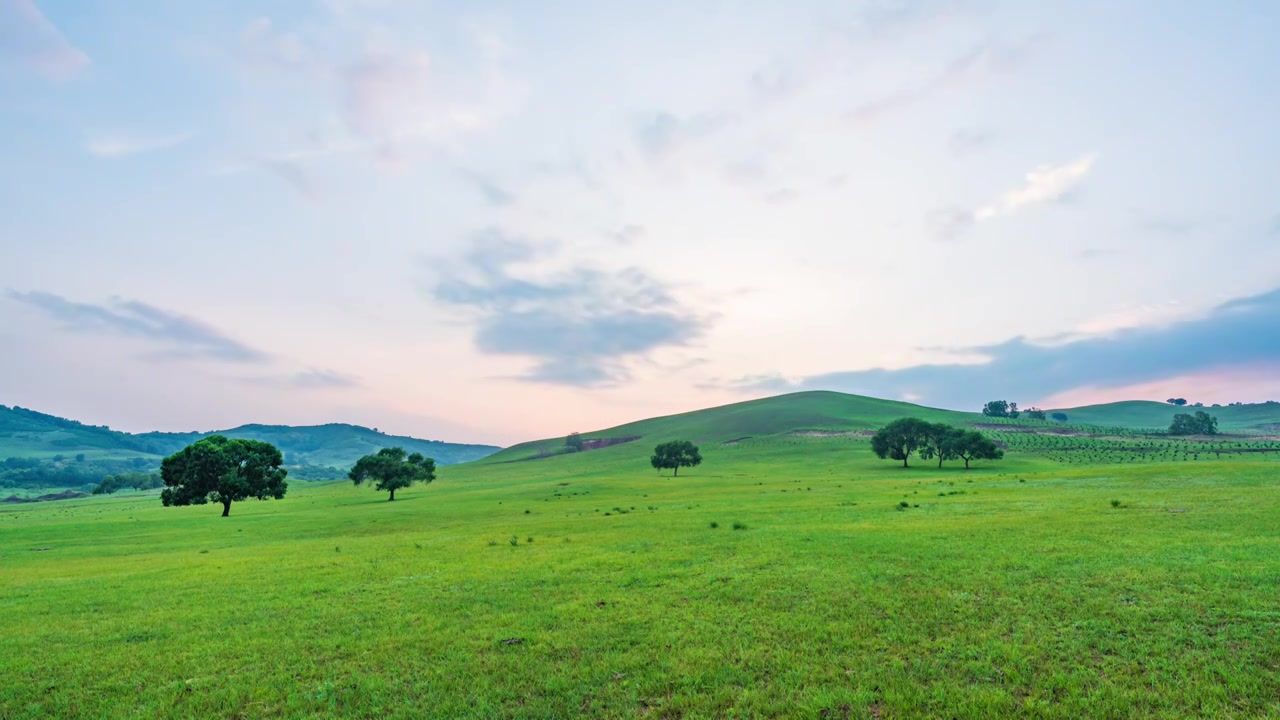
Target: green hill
(817, 411)
(27, 433)
(1145, 414)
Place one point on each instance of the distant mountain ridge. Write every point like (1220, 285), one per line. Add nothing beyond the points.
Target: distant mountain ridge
(28, 433)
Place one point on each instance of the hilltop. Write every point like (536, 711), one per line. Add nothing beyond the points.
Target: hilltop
(28, 433)
(1145, 414)
(1117, 432)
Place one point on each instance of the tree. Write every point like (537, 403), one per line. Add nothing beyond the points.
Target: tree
(1177, 401)
(1202, 423)
(391, 470)
(1013, 410)
(573, 442)
(937, 442)
(900, 438)
(79, 457)
(675, 455)
(1059, 416)
(973, 445)
(1035, 413)
(222, 470)
(996, 408)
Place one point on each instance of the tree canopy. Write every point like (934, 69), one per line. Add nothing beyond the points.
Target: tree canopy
(674, 455)
(1202, 423)
(900, 438)
(390, 469)
(934, 440)
(222, 470)
(969, 445)
(573, 442)
(1177, 401)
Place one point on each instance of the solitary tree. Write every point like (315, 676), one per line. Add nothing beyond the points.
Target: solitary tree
(1035, 413)
(1059, 416)
(973, 445)
(900, 438)
(1177, 401)
(573, 442)
(222, 470)
(937, 442)
(996, 408)
(391, 470)
(675, 455)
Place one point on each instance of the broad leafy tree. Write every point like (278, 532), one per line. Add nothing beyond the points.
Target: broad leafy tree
(222, 470)
(573, 442)
(900, 438)
(972, 445)
(1059, 416)
(1202, 423)
(996, 408)
(937, 443)
(1177, 401)
(390, 469)
(674, 455)
(1035, 413)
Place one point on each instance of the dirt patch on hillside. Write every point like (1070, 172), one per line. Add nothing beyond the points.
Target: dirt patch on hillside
(833, 433)
(64, 495)
(598, 443)
(735, 441)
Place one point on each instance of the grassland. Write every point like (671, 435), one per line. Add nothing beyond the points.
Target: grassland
(587, 585)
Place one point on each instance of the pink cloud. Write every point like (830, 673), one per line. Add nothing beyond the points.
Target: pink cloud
(1252, 383)
(27, 36)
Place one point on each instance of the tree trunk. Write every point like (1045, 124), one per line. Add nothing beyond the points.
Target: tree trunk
(226, 508)
(939, 461)
(904, 461)
(393, 495)
(677, 472)
(966, 463)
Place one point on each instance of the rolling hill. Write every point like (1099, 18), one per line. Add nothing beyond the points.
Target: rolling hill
(824, 412)
(29, 434)
(1145, 414)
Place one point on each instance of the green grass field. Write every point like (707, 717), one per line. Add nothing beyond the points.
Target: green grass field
(587, 585)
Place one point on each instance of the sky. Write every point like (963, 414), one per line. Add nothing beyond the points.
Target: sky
(498, 221)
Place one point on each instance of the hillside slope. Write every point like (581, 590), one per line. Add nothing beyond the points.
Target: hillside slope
(1145, 414)
(796, 412)
(27, 433)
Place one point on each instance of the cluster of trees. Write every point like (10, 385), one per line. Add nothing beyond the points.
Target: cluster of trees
(900, 438)
(675, 455)
(128, 481)
(60, 471)
(1006, 409)
(390, 469)
(1202, 423)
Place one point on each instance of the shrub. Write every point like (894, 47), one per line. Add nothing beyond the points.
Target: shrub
(739, 526)
(513, 540)
(714, 524)
(1115, 503)
(493, 543)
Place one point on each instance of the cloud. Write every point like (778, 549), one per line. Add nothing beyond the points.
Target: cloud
(580, 327)
(28, 37)
(117, 145)
(180, 336)
(980, 61)
(628, 234)
(664, 134)
(307, 380)
(1044, 184)
(1242, 332)
(966, 141)
(491, 191)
